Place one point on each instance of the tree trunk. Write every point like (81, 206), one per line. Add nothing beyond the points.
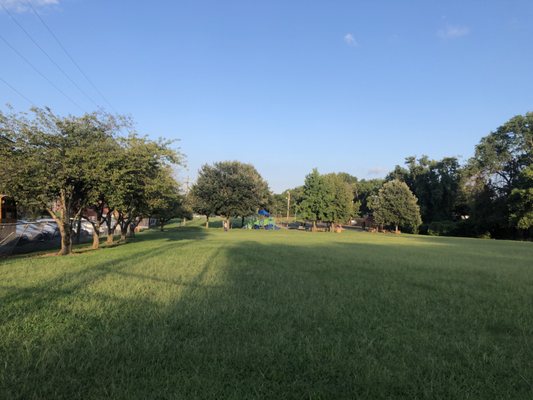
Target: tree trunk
(161, 225)
(130, 230)
(78, 232)
(65, 230)
(96, 238)
(396, 230)
(314, 227)
(242, 222)
(110, 229)
(125, 229)
(225, 224)
(110, 236)
(207, 222)
(96, 233)
(66, 239)
(123, 233)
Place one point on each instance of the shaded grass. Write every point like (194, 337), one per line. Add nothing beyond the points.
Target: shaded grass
(191, 313)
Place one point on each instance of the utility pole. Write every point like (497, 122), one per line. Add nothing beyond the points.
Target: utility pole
(288, 206)
(184, 222)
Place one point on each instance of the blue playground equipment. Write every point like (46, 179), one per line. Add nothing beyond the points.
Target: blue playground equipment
(263, 221)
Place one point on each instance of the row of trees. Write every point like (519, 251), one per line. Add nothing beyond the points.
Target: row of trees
(337, 198)
(70, 167)
(489, 195)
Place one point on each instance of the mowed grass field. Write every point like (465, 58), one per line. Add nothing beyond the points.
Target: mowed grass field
(191, 313)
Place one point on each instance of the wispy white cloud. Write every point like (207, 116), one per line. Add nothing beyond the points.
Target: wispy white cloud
(22, 5)
(453, 32)
(377, 171)
(350, 40)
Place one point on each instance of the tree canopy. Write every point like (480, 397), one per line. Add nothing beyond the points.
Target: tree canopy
(498, 180)
(327, 198)
(396, 205)
(65, 165)
(229, 189)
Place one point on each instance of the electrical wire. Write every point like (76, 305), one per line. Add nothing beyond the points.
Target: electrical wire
(17, 91)
(40, 73)
(67, 53)
(48, 56)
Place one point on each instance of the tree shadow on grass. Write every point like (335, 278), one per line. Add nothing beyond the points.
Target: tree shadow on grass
(261, 320)
(33, 298)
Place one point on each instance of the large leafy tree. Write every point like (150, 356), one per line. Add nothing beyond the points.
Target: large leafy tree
(229, 189)
(316, 199)
(435, 183)
(204, 193)
(341, 206)
(499, 179)
(521, 200)
(278, 204)
(364, 190)
(164, 198)
(502, 155)
(51, 162)
(101, 175)
(396, 205)
(140, 162)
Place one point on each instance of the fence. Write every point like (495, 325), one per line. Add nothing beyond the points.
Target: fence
(26, 237)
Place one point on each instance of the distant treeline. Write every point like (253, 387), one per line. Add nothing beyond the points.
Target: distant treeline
(490, 195)
(98, 168)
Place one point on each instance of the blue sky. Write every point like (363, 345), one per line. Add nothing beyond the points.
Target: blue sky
(350, 86)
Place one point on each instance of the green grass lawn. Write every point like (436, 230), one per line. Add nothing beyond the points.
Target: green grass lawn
(191, 313)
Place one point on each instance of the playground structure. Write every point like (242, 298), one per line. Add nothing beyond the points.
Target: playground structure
(263, 220)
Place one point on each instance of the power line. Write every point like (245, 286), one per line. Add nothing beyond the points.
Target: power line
(48, 55)
(40, 73)
(16, 91)
(69, 55)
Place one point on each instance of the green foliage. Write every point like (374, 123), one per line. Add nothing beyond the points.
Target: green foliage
(50, 164)
(442, 228)
(229, 189)
(327, 198)
(436, 185)
(67, 164)
(502, 155)
(140, 162)
(317, 197)
(278, 204)
(164, 198)
(396, 205)
(498, 179)
(341, 206)
(521, 200)
(364, 190)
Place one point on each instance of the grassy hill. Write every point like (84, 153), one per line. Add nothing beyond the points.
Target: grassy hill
(191, 313)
